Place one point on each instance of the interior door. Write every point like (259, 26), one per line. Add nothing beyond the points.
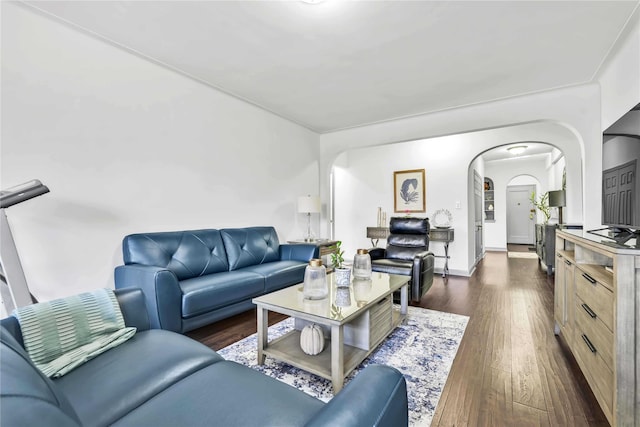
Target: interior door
(520, 222)
(477, 215)
(619, 188)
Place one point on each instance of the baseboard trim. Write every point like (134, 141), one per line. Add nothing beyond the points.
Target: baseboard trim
(438, 272)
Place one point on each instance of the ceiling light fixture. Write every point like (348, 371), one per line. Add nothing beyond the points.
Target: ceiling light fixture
(517, 149)
(312, 1)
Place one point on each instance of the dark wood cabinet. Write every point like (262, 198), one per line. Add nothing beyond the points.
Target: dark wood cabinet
(546, 243)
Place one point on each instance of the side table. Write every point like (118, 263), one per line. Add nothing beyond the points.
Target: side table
(442, 235)
(377, 233)
(325, 246)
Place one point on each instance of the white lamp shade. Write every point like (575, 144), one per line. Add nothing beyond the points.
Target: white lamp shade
(308, 204)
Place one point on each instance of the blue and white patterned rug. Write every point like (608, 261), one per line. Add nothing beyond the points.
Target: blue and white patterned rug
(422, 348)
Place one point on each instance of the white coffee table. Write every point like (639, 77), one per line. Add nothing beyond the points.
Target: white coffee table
(353, 328)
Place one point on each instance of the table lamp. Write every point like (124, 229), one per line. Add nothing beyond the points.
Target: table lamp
(309, 204)
(558, 199)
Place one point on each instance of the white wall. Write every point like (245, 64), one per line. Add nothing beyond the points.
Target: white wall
(446, 161)
(365, 183)
(556, 169)
(128, 146)
(618, 77)
(516, 171)
(476, 166)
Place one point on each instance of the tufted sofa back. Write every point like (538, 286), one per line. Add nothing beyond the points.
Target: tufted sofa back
(187, 253)
(250, 246)
(199, 252)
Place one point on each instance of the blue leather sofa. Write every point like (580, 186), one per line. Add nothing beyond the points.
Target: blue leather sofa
(162, 378)
(194, 278)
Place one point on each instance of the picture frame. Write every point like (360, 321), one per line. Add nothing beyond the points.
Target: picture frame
(409, 194)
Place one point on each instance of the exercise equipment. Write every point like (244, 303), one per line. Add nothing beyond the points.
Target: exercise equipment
(13, 284)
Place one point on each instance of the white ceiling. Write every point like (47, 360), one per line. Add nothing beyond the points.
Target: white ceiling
(503, 153)
(340, 64)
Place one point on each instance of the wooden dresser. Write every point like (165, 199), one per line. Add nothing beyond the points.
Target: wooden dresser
(597, 311)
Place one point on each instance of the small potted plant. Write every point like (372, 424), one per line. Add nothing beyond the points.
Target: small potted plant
(542, 205)
(343, 274)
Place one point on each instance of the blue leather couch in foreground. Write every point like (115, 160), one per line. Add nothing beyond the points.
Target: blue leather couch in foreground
(194, 278)
(161, 378)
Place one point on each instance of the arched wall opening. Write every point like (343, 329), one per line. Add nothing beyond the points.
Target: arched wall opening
(546, 170)
(362, 180)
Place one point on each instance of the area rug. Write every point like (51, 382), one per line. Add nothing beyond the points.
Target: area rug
(422, 348)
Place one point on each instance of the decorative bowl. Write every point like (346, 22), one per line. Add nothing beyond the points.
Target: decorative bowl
(442, 218)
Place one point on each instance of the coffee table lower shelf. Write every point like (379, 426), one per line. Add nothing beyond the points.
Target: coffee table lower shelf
(287, 349)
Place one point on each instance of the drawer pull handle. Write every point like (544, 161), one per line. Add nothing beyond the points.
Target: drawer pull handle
(589, 311)
(591, 347)
(589, 278)
(566, 261)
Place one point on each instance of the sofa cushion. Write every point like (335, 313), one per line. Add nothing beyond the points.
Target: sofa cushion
(406, 253)
(279, 274)
(27, 394)
(392, 266)
(206, 293)
(119, 380)
(187, 253)
(228, 394)
(250, 246)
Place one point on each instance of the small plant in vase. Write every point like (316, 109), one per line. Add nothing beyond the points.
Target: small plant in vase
(343, 274)
(337, 257)
(542, 205)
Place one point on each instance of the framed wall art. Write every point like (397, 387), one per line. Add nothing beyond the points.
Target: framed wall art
(409, 191)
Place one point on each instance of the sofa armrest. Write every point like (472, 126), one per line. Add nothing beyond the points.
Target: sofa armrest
(422, 261)
(422, 257)
(377, 253)
(377, 396)
(298, 252)
(162, 293)
(133, 308)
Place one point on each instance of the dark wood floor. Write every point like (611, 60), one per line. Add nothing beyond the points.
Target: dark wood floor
(510, 369)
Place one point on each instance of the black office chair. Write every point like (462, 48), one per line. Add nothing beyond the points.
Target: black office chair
(407, 254)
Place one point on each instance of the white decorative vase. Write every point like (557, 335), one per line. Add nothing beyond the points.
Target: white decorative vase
(343, 276)
(312, 339)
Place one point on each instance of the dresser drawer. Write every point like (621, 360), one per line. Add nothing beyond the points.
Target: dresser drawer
(598, 298)
(598, 374)
(598, 334)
